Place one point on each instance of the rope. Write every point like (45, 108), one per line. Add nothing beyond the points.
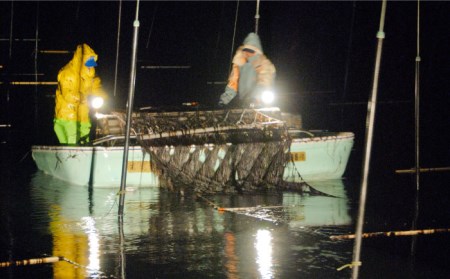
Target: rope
(119, 20)
(36, 46)
(234, 36)
(245, 210)
(151, 25)
(350, 265)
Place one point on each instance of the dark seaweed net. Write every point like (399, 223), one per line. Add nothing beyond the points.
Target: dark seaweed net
(241, 150)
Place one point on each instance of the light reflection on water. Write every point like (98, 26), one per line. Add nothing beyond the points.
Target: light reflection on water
(93, 243)
(263, 247)
(167, 235)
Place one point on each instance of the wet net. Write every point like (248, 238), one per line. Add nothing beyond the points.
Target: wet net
(240, 150)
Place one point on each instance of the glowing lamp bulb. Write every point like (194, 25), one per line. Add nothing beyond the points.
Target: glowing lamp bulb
(267, 97)
(97, 102)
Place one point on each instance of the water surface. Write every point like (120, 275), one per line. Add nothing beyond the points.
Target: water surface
(169, 235)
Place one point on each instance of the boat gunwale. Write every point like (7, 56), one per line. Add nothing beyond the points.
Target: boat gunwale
(82, 148)
(337, 136)
(316, 138)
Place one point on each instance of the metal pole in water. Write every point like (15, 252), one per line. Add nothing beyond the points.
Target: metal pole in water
(417, 131)
(129, 110)
(368, 148)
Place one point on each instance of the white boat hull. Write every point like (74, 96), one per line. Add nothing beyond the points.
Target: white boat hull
(314, 158)
(319, 158)
(96, 166)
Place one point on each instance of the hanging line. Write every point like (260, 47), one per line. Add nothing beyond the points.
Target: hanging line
(151, 25)
(36, 46)
(417, 129)
(11, 30)
(368, 146)
(347, 62)
(257, 17)
(117, 48)
(9, 67)
(234, 36)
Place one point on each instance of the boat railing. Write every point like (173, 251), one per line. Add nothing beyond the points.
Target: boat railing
(149, 126)
(111, 139)
(298, 132)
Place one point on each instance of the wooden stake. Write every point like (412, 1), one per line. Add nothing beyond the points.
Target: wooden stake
(32, 261)
(390, 233)
(55, 51)
(32, 83)
(232, 209)
(413, 170)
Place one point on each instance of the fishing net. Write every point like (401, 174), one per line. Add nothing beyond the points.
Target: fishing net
(238, 150)
(215, 151)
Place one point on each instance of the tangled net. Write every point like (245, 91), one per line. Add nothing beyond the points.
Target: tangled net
(240, 150)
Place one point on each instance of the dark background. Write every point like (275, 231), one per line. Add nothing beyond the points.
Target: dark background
(324, 52)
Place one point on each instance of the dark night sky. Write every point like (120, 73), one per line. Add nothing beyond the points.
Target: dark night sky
(308, 41)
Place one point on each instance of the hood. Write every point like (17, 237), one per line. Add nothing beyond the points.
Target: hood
(253, 42)
(88, 53)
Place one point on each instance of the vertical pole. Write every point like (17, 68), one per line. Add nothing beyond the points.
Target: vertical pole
(257, 17)
(368, 148)
(129, 110)
(417, 130)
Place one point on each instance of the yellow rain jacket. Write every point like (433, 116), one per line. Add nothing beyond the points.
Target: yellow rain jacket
(249, 75)
(76, 82)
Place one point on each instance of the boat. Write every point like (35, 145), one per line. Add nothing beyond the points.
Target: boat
(314, 155)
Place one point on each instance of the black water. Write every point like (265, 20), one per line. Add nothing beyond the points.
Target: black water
(167, 235)
(164, 235)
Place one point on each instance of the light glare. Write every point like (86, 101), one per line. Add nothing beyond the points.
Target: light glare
(267, 97)
(97, 102)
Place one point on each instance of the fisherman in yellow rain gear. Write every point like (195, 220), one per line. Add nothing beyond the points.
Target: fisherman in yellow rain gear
(77, 83)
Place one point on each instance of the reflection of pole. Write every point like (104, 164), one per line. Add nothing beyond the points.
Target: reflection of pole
(369, 135)
(129, 110)
(121, 245)
(232, 260)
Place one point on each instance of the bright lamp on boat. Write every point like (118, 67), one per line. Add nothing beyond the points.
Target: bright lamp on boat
(267, 96)
(97, 102)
